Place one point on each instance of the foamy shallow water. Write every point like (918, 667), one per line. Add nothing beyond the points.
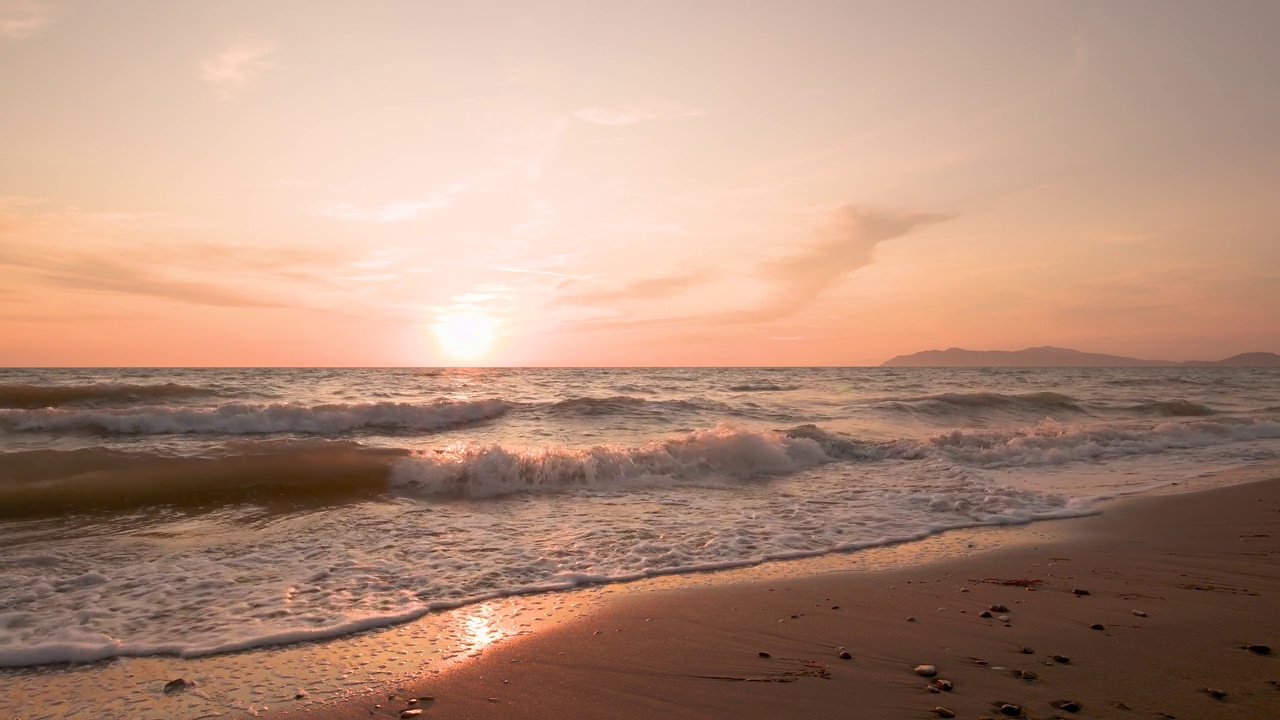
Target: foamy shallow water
(189, 513)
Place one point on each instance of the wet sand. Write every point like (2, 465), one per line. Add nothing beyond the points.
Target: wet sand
(1151, 602)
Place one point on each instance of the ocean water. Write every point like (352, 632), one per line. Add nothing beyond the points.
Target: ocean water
(191, 512)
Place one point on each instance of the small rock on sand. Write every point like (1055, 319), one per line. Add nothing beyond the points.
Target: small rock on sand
(844, 655)
(1259, 649)
(1025, 675)
(410, 713)
(1097, 626)
(1062, 659)
(1010, 709)
(764, 654)
(943, 712)
(998, 608)
(1080, 593)
(926, 670)
(178, 685)
(944, 685)
(1003, 618)
(1070, 706)
(1026, 650)
(911, 619)
(933, 688)
(1215, 693)
(984, 614)
(1139, 613)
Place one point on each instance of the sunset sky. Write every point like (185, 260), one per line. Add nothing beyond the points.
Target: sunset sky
(634, 183)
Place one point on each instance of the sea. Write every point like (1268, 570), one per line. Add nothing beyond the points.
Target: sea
(192, 512)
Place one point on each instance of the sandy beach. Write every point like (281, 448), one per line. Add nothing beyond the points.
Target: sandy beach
(1148, 608)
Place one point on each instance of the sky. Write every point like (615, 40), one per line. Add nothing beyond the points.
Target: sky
(634, 183)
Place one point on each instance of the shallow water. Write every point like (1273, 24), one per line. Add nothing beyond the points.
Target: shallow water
(188, 512)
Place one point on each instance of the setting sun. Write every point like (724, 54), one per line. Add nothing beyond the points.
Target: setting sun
(465, 335)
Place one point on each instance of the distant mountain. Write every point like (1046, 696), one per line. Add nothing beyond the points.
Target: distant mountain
(1062, 357)
(1249, 359)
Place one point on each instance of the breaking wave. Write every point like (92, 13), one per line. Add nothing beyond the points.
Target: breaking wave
(24, 396)
(721, 453)
(238, 418)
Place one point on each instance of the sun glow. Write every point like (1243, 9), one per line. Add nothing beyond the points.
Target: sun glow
(466, 335)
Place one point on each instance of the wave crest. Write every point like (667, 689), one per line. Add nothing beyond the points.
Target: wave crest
(721, 453)
(239, 418)
(25, 396)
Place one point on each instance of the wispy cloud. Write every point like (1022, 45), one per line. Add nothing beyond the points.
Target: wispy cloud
(395, 211)
(844, 245)
(632, 114)
(847, 244)
(151, 255)
(21, 19)
(648, 289)
(233, 69)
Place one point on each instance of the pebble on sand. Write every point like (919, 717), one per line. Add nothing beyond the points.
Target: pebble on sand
(764, 654)
(911, 619)
(1259, 649)
(1025, 675)
(1139, 613)
(1062, 659)
(1010, 709)
(178, 685)
(410, 713)
(1080, 593)
(926, 670)
(944, 712)
(944, 685)
(1070, 706)
(933, 688)
(998, 608)
(844, 655)
(1026, 650)
(1003, 618)
(1097, 626)
(1216, 693)
(984, 614)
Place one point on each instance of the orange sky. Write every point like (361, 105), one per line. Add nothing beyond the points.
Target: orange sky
(659, 183)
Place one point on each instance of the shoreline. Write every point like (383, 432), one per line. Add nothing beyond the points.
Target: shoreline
(1202, 567)
(446, 655)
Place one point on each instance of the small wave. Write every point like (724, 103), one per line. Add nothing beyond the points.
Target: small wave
(722, 453)
(1047, 400)
(950, 404)
(1173, 408)
(237, 418)
(1052, 443)
(620, 404)
(23, 396)
(48, 483)
(762, 387)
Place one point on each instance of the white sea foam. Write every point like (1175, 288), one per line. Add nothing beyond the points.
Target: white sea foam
(722, 453)
(355, 567)
(239, 418)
